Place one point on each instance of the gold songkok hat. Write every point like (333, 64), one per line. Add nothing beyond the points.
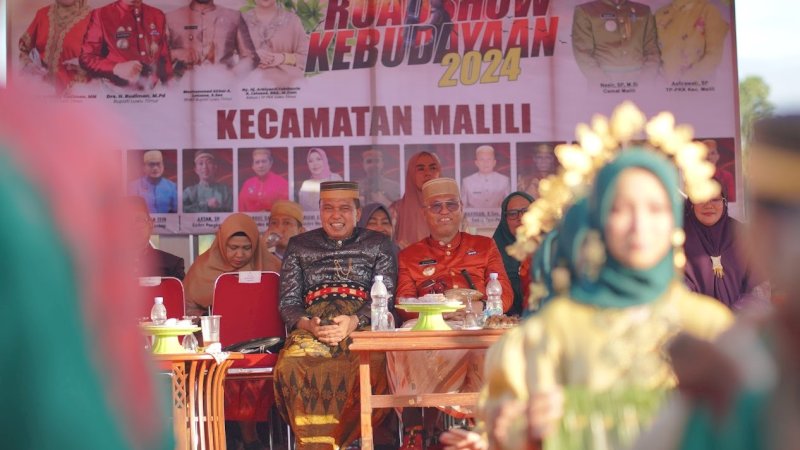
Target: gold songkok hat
(153, 156)
(338, 189)
(204, 154)
(287, 208)
(775, 160)
(440, 186)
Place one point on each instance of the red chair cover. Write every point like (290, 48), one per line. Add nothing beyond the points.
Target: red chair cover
(249, 310)
(170, 288)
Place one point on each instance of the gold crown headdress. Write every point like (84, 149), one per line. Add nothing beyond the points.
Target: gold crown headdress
(597, 145)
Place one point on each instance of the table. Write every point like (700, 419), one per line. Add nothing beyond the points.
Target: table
(365, 342)
(198, 413)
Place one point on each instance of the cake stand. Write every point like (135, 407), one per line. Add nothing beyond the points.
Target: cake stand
(165, 337)
(430, 314)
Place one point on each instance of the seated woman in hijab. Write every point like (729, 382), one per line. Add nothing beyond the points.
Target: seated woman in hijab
(601, 345)
(236, 248)
(376, 217)
(513, 208)
(715, 266)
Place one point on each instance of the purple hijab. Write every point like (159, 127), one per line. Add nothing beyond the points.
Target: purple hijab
(718, 240)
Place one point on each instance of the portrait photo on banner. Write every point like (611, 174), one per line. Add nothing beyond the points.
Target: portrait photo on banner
(153, 175)
(312, 166)
(535, 161)
(673, 41)
(377, 170)
(208, 180)
(485, 174)
(263, 177)
(722, 153)
(211, 44)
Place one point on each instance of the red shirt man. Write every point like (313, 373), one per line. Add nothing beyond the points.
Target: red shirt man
(438, 262)
(126, 42)
(261, 191)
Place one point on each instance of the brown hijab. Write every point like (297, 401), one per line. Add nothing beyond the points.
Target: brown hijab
(411, 226)
(211, 264)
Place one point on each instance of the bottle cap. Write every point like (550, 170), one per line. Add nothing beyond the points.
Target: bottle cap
(378, 278)
(159, 300)
(493, 276)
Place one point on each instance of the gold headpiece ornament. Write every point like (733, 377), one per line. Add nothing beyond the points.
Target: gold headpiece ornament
(597, 145)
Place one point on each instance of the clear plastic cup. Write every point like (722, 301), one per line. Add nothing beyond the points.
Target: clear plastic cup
(210, 328)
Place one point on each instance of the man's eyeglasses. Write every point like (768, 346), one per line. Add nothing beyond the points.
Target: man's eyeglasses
(515, 213)
(438, 207)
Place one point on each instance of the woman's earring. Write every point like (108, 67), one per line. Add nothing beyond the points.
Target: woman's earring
(592, 255)
(679, 256)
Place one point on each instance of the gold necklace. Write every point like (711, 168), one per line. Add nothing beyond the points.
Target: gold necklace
(341, 273)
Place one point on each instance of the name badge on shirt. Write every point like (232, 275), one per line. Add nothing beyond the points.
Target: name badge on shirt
(191, 27)
(427, 262)
(471, 252)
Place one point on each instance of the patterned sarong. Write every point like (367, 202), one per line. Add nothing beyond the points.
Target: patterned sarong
(316, 386)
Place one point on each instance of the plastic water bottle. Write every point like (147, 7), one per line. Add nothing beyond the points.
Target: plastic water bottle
(158, 314)
(380, 308)
(494, 297)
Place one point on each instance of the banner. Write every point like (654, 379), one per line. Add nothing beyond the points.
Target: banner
(237, 103)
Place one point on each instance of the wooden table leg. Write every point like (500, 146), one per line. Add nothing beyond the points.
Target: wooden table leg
(366, 401)
(180, 406)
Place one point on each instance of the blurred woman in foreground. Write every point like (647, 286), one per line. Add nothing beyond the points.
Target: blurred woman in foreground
(76, 372)
(592, 359)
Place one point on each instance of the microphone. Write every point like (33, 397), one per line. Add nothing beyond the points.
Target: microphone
(272, 239)
(468, 278)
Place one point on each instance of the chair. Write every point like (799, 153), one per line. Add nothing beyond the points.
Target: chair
(248, 304)
(170, 288)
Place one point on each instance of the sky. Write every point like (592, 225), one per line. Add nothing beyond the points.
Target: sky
(767, 32)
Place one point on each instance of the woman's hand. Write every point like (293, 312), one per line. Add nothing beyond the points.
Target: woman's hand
(544, 411)
(270, 59)
(501, 417)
